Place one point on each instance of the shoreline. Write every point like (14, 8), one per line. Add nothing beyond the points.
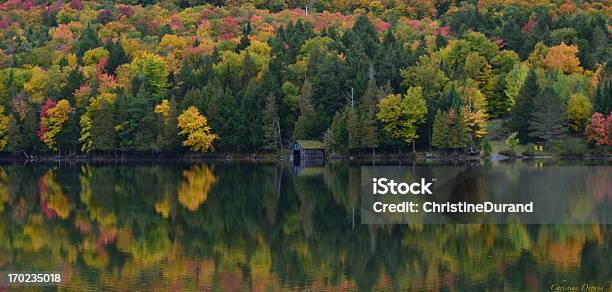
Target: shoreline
(269, 157)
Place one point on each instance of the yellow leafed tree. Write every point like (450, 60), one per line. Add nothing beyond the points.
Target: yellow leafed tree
(578, 111)
(474, 110)
(4, 128)
(195, 126)
(53, 121)
(163, 109)
(87, 122)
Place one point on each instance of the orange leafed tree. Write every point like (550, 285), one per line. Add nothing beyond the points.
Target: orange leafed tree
(564, 58)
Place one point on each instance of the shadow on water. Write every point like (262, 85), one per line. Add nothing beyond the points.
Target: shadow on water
(239, 226)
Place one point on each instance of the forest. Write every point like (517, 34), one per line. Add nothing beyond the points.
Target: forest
(190, 76)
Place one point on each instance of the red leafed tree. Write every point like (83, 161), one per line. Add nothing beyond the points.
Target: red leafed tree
(444, 30)
(42, 129)
(382, 26)
(76, 4)
(529, 26)
(598, 129)
(125, 10)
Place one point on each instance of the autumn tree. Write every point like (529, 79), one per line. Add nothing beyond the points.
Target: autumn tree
(473, 109)
(53, 116)
(562, 57)
(598, 129)
(578, 111)
(150, 68)
(457, 130)
(515, 81)
(4, 129)
(195, 126)
(439, 138)
(450, 130)
(402, 114)
(97, 124)
(168, 138)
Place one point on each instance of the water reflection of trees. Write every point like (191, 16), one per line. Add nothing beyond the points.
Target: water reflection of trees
(248, 226)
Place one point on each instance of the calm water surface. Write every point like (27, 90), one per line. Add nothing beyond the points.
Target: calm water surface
(245, 226)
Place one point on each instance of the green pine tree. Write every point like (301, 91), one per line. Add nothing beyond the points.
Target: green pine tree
(547, 123)
(368, 108)
(524, 106)
(88, 40)
(336, 137)
(353, 128)
(307, 126)
(271, 124)
(602, 101)
(103, 129)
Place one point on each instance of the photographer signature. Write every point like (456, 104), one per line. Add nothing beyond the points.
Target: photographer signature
(569, 286)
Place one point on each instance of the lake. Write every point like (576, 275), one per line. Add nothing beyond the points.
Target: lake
(259, 226)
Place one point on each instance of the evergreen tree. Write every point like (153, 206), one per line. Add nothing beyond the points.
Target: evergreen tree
(368, 108)
(270, 127)
(602, 101)
(547, 122)
(249, 115)
(524, 107)
(307, 126)
(366, 34)
(244, 40)
(151, 128)
(353, 128)
(68, 137)
(358, 67)
(22, 134)
(195, 72)
(103, 128)
(248, 70)
(88, 40)
(139, 127)
(328, 83)
(116, 56)
(73, 82)
(336, 137)
(226, 122)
